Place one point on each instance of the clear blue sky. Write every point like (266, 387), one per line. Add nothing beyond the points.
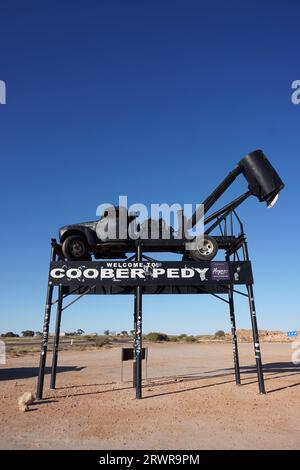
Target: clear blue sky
(157, 100)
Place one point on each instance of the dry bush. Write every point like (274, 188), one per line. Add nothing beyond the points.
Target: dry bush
(190, 339)
(25, 400)
(101, 341)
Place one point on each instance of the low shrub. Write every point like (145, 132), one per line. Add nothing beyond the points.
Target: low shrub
(155, 336)
(190, 339)
(101, 341)
(174, 338)
(220, 334)
(91, 338)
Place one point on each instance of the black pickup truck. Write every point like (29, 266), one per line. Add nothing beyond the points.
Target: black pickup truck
(81, 241)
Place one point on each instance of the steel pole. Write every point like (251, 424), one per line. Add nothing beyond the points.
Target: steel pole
(259, 368)
(138, 333)
(56, 338)
(45, 337)
(134, 356)
(235, 351)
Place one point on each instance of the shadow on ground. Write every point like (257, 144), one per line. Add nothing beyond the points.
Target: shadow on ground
(27, 372)
(274, 370)
(270, 367)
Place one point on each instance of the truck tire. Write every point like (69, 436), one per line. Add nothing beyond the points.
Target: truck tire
(206, 249)
(75, 248)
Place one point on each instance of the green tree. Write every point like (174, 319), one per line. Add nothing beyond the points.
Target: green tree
(27, 333)
(10, 334)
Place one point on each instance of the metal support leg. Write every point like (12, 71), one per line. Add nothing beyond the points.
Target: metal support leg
(259, 369)
(146, 361)
(56, 338)
(134, 338)
(44, 343)
(138, 334)
(255, 334)
(236, 361)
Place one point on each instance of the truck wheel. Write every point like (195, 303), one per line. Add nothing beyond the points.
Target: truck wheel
(75, 248)
(206, 249)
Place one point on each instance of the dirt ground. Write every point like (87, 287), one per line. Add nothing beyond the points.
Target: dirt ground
(190, 401)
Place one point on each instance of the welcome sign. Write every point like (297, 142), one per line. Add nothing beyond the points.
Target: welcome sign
(160, 273)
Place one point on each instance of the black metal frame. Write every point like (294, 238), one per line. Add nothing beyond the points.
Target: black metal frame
(265, 184)
(225, 220)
